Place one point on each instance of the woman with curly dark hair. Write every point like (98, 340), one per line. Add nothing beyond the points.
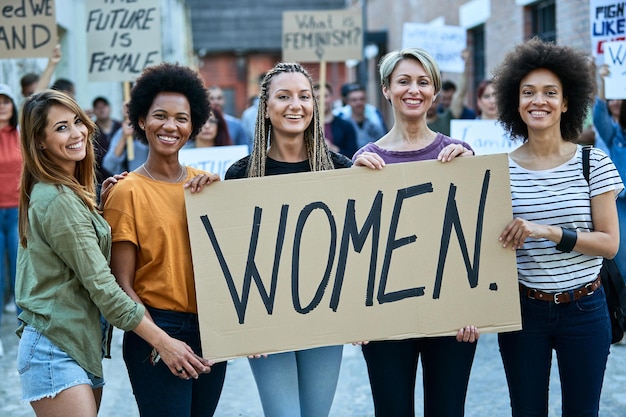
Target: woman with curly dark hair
(563, 226)
(151, 253)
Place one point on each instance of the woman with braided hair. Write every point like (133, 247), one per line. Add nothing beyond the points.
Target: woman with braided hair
(290, 139)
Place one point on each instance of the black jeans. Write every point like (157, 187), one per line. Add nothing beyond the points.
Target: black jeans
(392, 369)
(157, 391)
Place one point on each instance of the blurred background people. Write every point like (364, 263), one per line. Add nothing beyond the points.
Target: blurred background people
(609, 119)
(365, 118)
(486, 104)
(117, 160)
(107, 126)
(214, 132)
(448, 89)
(237, 133)
(10, 169)
(340, 134)
(440, 121)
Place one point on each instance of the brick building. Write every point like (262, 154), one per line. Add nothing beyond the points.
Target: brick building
(237, 40)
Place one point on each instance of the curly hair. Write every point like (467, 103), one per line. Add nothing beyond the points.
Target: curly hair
(317, 151)
(37, 165)
(168, 78)
(571, 66)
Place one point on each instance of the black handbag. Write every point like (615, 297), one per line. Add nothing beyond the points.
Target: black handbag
(612, 280)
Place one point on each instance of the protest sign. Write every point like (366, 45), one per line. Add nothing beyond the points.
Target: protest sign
(615, 58)
(214, 159)
(123, 38)
(486, 137)
(444, 43)
(288, 262)
(28, 28)
(328, 35)
(608, 24)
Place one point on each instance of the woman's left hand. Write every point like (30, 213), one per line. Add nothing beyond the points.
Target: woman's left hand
(468, 334)
(516, 233)
(452, 151)
(197, 183)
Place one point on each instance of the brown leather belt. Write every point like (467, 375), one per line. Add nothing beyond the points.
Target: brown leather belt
(564, 296)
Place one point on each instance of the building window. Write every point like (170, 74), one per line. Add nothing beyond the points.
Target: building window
(477, 36)
(543, 20)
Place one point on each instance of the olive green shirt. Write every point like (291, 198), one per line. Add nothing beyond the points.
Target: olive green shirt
(63, 279)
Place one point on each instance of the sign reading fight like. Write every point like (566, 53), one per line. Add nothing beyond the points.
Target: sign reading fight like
(289, 262)
(608, 24)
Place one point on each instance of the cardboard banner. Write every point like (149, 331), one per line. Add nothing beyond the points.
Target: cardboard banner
(486, 137)
(28, 28)
(444, 43)
(322, 35)
(290, 262)
(215, 159)
(607, 22)
(123, 38)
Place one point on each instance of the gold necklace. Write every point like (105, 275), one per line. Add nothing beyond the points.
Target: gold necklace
(180, 177)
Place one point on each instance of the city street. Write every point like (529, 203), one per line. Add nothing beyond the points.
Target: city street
(487, 395)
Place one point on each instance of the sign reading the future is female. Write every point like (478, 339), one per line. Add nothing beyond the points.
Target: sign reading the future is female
(123, 38)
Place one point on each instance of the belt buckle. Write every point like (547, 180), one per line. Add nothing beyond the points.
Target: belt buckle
(531, 293)
(556, 297)
(589, 289)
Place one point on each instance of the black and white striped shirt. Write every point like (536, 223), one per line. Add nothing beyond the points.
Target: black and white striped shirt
(561, 197)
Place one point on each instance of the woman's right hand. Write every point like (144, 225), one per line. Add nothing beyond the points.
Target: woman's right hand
(181, 360)
(370, 160)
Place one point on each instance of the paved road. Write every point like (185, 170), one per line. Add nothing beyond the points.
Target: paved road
(487, 395)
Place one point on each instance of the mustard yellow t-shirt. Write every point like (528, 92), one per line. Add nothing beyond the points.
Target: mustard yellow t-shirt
(151, 215)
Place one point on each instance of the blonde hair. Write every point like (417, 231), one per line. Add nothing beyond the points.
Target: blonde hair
(389, 61)
(38, 167)
(317, 151)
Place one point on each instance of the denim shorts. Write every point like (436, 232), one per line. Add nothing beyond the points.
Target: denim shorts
(46, 370)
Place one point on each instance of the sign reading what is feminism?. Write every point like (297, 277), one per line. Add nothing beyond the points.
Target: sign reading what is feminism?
(295, 261)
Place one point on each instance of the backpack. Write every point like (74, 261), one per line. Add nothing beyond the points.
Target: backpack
(612, 281)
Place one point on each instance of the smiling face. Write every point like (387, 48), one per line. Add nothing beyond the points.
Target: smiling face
(65, 138)
(6, 110)
(411, 90)
(290, 104)
(168, 123)
(208, 133)
(487, 104)
(541, 100)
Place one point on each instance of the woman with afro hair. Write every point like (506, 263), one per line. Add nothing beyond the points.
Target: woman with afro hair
(562, 228)
(151, 252)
